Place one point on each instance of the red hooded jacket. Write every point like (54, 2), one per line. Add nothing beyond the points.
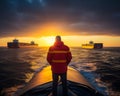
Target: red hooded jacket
(59, 57)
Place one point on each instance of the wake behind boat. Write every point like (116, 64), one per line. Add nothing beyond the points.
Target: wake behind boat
(41, 85)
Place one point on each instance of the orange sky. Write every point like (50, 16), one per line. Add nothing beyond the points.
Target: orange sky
(44, 36)
(112, 41)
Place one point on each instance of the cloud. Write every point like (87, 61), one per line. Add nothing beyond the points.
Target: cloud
(89, 17)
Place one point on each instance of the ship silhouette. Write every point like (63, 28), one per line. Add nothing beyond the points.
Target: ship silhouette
(17, 44)
(92, 45)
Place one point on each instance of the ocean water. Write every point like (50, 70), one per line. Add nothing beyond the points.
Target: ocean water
(100, 67)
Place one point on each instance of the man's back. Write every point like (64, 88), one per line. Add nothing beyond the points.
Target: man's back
(59, 57)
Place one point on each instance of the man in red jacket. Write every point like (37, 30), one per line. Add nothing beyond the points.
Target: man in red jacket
(59, 56)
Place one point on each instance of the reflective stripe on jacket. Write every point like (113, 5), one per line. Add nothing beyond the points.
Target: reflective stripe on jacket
(59, 57)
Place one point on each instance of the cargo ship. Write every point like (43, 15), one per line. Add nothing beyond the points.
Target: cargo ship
(17, 44)
(93, 45)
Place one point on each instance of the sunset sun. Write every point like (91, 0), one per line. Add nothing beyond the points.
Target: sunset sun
(48, 40)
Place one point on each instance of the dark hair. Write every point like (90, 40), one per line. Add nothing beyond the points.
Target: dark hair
(58, 38)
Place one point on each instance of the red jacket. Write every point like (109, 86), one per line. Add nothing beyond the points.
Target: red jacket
(59, 57)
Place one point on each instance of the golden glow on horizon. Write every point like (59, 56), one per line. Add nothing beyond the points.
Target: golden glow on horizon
(44, 35)
(49, 40)
(68, 40)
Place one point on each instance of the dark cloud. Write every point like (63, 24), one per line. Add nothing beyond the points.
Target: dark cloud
(79, 16)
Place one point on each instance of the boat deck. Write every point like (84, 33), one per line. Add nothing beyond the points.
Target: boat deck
(41, 84)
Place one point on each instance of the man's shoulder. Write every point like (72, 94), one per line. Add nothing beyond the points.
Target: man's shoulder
(51, 47)
(66, 47)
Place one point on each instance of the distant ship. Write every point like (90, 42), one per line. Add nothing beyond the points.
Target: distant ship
(93, 45)
(17, 44)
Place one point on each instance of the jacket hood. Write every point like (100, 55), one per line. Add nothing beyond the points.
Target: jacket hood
(58, 43)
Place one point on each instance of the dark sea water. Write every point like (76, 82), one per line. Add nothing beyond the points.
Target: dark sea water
(100, 67)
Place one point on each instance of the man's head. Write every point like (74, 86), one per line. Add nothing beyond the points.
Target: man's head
(58, 38)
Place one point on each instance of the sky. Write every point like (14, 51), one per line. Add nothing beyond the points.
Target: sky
(77, 21)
